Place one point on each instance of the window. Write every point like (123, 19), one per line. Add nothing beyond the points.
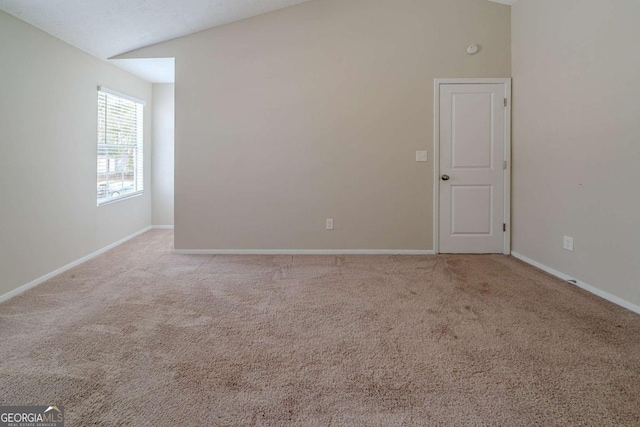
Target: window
(120, 143)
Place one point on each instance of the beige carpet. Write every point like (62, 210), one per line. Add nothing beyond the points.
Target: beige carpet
(140, 336)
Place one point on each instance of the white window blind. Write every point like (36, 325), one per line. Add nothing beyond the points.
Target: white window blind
(120, 143)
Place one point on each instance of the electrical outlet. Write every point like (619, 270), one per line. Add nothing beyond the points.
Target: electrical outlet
(422, 156)
(329, 224)
(568, 243)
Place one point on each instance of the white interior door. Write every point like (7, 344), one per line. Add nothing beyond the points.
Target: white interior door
(472, 168)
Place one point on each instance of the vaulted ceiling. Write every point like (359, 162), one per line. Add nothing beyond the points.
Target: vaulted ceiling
(108, 28)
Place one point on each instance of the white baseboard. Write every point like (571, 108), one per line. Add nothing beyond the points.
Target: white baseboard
(602, 294)
(61, 270)
(162, 227)
(300, 252)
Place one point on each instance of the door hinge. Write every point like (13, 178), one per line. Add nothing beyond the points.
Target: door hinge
(504, 227)
(504, 165)
(505, 102)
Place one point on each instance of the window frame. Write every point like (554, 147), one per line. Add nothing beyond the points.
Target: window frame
(139, 165)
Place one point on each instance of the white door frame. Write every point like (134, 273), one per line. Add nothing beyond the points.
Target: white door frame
(436, 156)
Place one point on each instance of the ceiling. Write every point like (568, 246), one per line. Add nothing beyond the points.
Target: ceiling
(153, 70)
(106, 28)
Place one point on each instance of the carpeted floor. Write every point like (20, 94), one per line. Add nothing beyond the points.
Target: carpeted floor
(140, 336)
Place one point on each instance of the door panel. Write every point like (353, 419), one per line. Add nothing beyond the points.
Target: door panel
(477, 199)
(471, 141)
(472, 150)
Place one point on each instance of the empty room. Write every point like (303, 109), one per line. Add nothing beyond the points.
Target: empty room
(319, 213)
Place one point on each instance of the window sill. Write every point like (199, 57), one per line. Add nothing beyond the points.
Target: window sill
(121, 198)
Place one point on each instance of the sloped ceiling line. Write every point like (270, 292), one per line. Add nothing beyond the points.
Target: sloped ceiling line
(106, 29)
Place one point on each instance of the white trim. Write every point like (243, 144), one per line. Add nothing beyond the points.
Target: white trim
(436, 165)
(301, 252)
(507, 171)
(120, 198)
(602, 294)
(75, 263)
(122, 95)
(162, 227)
(507, 2)
(436, 156)
(472, 81)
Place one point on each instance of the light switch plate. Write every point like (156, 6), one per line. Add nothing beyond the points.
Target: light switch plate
(422, 156)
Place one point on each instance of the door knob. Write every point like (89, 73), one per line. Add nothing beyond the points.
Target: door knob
(445, 177)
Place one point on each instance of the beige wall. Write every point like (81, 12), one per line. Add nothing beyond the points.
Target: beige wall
(162, 154)
(316, 112)
(48, 136)
(576, 139)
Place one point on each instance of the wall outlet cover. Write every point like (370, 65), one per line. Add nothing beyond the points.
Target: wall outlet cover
(329, 224)
(568, 243)
(422, 156)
